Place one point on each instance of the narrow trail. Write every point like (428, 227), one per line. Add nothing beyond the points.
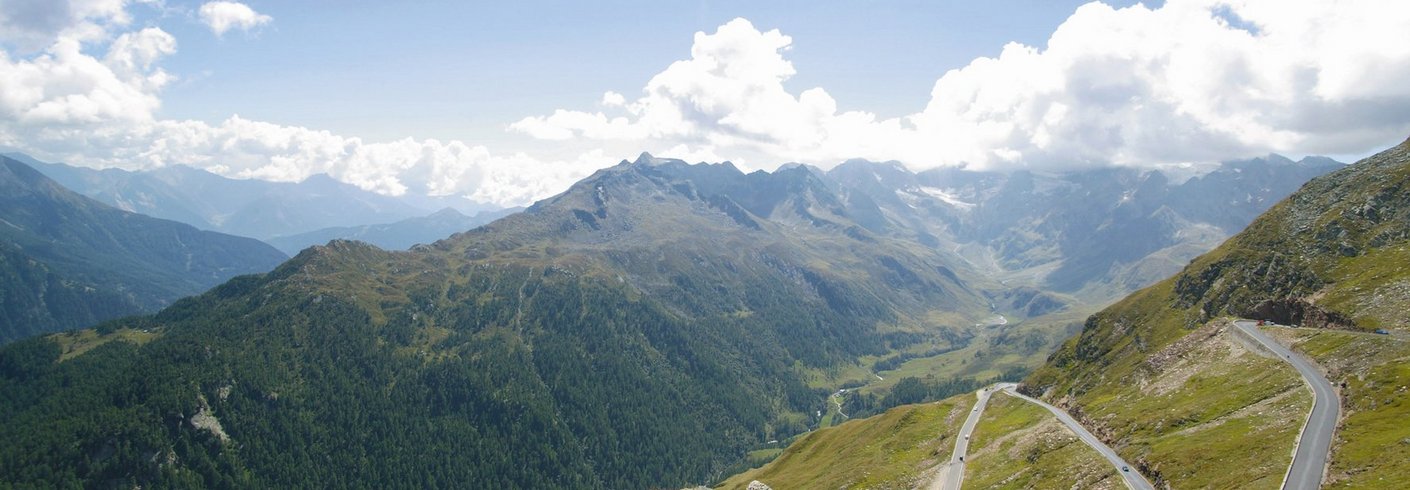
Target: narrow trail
(836, 400)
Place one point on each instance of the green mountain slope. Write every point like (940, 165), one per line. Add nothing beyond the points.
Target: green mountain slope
(1018, 444)
(1332, 255)
(67, 261)
(897, 449)
(1162, 377)
(645, 328)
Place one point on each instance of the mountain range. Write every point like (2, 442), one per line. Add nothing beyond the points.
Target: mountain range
(1167, 379)
(1097, 234)
(579, 343)
(246, 207)
(645, 327)
(399, 235)
(67, 261)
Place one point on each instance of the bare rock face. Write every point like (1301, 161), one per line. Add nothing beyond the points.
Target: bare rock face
(1298, 311)
(204, 419)
(758, 485)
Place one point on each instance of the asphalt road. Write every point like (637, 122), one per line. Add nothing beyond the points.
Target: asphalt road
(953, 474)
(1314, 446)
(1133, 478)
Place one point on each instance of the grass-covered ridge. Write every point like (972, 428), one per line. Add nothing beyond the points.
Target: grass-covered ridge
(898, 449)
(1372, 447)
(1021, 445)
(1330, 255)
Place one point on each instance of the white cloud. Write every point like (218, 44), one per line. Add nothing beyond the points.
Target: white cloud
(35, 24)
(613, 99)
(67, 104)
(221, 16)
(63, 87)
(1194, 80)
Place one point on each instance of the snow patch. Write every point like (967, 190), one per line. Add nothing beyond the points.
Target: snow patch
(947, 197)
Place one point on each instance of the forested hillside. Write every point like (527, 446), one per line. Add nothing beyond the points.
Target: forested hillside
(576, 345)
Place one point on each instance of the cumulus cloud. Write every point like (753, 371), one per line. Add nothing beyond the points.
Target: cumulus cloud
(613, 99)
(35, 24)
(68, 104)
(222, 16)
(1193, 80)
(63, 87)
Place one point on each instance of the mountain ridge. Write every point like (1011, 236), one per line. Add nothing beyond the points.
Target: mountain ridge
(246, 207)
(583, 339)
(1164, 377)
(71, 261)
(1328, 257)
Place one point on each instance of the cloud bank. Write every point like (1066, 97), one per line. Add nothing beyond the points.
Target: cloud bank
(70, 104)
(1191, 81)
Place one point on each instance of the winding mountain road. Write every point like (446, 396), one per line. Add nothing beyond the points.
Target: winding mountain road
(952, 475)
(1314, 445)
(1133, 478)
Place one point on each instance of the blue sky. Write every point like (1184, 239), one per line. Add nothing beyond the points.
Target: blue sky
(464, 70)
(509, 102)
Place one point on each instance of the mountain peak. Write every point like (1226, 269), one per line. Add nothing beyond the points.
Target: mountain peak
(321, 179)
(646, 159)
(447, 212)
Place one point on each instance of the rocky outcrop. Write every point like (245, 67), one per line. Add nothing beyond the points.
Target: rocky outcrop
(1300, 312)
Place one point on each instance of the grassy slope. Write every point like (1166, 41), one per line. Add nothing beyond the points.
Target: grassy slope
(1339, 244)
(892, 450)
(77, 342)
(1193, 407)
(1020, 445)
(1372, 448)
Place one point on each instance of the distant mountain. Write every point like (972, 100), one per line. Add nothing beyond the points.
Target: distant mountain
(1163, 376)
(1097, 234)
(641, 329)
(67, 261)
(400, 235)
(253, 208)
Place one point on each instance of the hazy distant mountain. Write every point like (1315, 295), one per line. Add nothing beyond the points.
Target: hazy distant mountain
(400, 235)
(247, 207)
(1098, 233)
(67, 261)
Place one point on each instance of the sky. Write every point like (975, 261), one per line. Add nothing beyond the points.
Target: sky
(509, 102)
